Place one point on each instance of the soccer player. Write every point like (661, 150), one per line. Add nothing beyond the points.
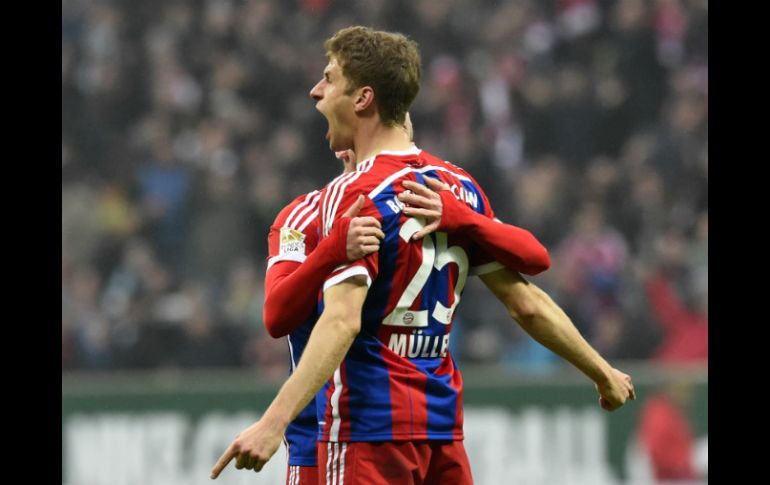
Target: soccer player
(290, 296)
(392, 411)
(296, 273)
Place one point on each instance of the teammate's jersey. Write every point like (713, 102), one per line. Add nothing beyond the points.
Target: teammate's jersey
(293, 236)
(398, 381)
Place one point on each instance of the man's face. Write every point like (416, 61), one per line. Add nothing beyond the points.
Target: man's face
(336, 106)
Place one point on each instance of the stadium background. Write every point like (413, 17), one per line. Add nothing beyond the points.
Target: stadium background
(186, 126)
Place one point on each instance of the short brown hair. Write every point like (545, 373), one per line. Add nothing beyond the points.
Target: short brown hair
(388, 62)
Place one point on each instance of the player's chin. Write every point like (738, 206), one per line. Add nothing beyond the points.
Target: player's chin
(335, 146)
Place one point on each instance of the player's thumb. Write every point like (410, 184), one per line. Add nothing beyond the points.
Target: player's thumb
(353, 210)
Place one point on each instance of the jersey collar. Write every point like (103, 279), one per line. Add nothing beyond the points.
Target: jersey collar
(414, 150)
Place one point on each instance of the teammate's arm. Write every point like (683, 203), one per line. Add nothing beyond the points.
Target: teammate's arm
(547, 323)
(329, 341)
(515, 248)
(291, 288)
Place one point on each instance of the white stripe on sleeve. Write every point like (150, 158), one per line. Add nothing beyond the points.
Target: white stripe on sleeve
(308, 220)
(348, 273)
(297, 208)
(337, 198)
(300, 258)
(310, 207)
(331, 195)
(485, 268)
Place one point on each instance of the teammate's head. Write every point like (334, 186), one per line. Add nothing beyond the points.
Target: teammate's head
(370, 72)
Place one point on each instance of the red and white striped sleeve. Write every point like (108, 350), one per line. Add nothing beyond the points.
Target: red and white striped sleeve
(293, 234)
(336, 198)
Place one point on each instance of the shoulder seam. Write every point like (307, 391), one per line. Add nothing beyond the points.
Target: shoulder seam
(389, 180)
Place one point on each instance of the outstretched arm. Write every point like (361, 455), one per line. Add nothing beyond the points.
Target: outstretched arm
(291, 288)
(547, 323)
(329, 341)
(516, 248)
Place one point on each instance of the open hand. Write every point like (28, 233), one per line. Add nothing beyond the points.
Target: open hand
(423, 202)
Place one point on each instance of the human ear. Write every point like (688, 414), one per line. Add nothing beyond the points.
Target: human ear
(364, 98)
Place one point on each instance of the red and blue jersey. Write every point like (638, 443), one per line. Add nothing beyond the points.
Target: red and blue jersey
(293, 236)
(398, 381)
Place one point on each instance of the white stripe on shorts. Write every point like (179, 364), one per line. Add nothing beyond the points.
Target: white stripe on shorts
(342, 463)
(335, 463)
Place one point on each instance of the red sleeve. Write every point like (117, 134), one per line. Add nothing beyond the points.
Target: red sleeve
(332, 207)
(516, 248)
(291, 288)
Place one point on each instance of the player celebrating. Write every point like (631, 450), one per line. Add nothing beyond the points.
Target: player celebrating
(392, 410)
(296, 273)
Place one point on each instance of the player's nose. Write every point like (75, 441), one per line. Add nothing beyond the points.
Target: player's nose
(316, 92)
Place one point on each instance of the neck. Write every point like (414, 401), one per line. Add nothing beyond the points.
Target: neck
(377, 137)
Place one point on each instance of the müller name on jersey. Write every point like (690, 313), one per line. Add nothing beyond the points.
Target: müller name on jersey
(416, 344)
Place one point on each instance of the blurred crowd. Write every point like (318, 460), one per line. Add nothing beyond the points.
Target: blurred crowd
(187, 126)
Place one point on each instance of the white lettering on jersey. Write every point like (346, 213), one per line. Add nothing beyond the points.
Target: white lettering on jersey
(398, 343)
(444, 344)
(418, 345)
(466, 196)
(395, 205)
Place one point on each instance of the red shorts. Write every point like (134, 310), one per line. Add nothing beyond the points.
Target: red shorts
(386, 463)
(301, 475)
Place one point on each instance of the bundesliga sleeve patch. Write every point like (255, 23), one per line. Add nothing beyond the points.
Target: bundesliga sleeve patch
(292, 241)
